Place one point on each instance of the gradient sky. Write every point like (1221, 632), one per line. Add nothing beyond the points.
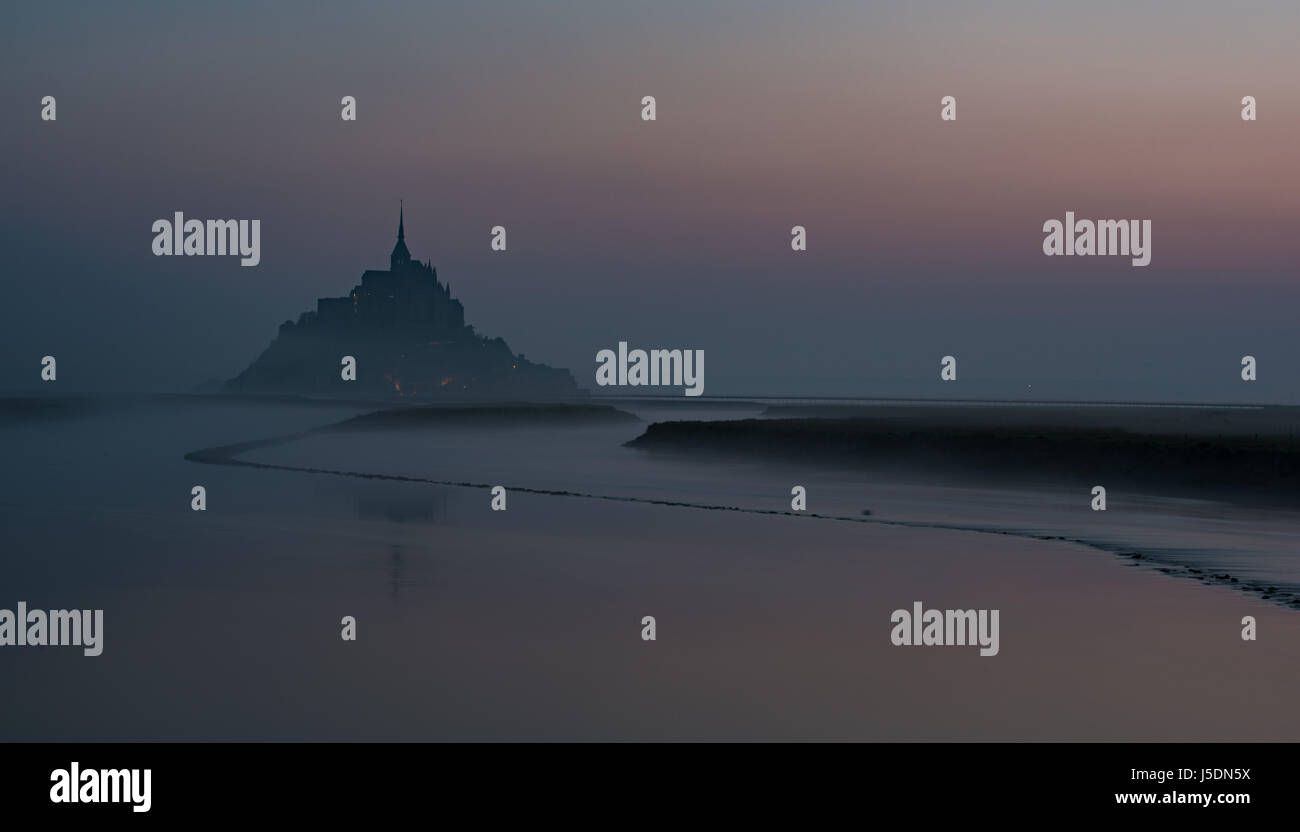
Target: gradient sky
(924, 237)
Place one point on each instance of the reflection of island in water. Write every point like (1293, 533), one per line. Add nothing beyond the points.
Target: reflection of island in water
(409, 338)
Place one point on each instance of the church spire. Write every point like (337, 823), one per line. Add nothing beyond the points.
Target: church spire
(401, 256)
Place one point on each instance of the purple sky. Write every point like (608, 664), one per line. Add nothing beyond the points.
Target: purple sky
(924, 236)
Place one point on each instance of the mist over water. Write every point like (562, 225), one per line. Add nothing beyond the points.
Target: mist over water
(1249, 542)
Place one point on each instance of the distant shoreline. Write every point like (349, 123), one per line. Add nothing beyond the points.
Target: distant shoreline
(1249, 454)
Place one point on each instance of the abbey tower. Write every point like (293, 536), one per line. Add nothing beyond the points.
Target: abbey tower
(409, 337)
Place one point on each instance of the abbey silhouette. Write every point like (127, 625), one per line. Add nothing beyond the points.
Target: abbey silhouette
(409, 338)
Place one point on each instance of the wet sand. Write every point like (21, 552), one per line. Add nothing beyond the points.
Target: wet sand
(528, 627)
(525, 624)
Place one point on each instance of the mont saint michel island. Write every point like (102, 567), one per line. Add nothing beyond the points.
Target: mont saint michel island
(409, 340)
